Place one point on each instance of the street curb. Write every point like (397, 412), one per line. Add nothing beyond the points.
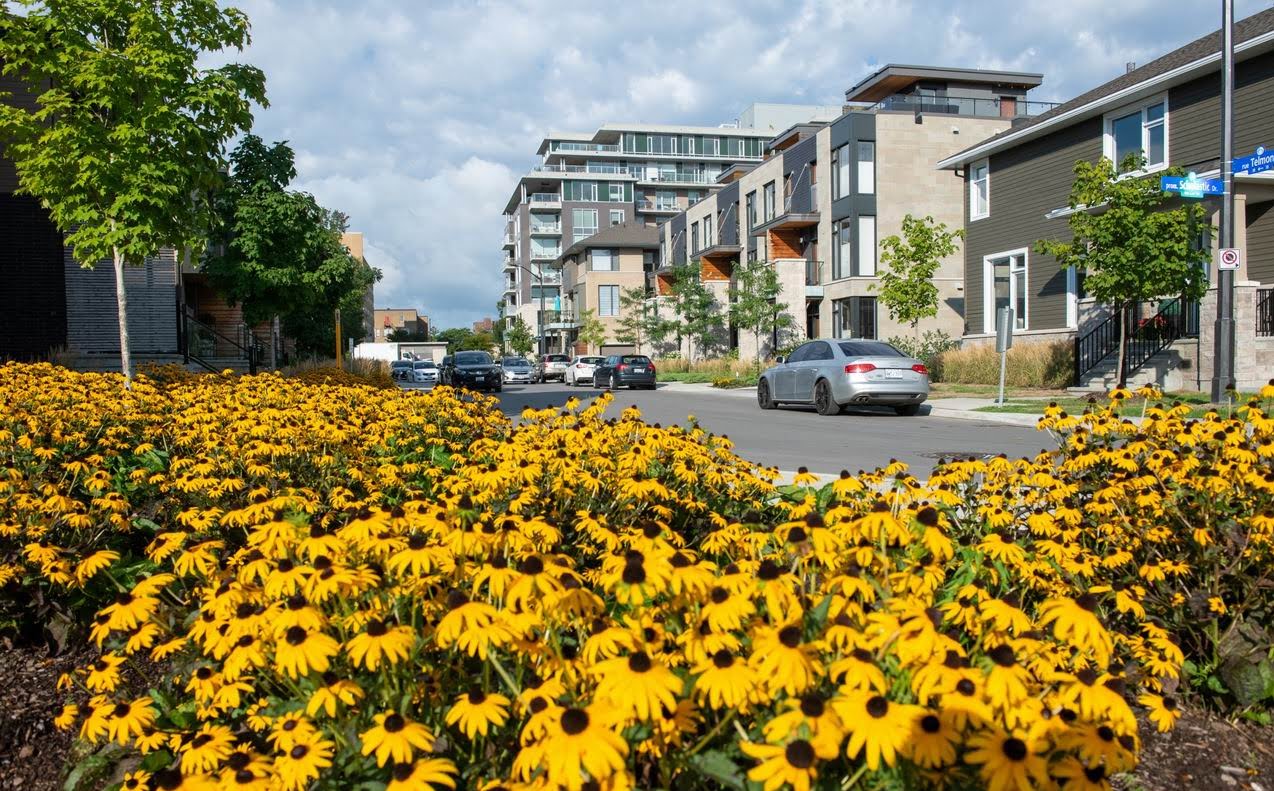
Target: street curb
(1007, 418)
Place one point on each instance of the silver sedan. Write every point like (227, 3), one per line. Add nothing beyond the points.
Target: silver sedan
(834, 373)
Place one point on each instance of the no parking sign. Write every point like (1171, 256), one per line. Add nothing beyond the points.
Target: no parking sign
(1227, 258)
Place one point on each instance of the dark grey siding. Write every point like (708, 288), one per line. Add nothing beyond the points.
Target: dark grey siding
(1027, 182)
(677, 225)
(1194, 110)
(728, 214)
(16, 95)
(797, 162)
(92, 324)
(1260, 242)
(32, 294)
(851, 128)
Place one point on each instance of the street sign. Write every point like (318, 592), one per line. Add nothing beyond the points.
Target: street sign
(1227, 258)
(1191, 186)
(1258, 162)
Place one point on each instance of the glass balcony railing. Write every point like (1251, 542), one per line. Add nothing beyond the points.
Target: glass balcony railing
(545, 253)
(614, 170)
(963, 105)
(586, 147)
(656, 205)
(546, 228)
(679, 177)
(545, 197)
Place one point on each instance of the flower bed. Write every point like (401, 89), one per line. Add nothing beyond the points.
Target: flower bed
(349, 586)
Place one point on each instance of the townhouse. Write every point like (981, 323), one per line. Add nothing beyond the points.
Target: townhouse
(619, 174)
(1016, 191)
(596, 272)
(818, 205)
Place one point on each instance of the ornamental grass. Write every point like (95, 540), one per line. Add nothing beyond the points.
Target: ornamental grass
(349, 587)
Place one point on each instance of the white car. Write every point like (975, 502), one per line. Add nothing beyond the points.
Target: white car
(581, 370)
(424, 372)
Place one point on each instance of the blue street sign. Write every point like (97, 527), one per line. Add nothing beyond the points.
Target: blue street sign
(1191, 186)
(1258, 162)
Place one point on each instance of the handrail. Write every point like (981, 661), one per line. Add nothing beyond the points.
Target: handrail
(1176, 319)
(202, 340)
(1265, 313)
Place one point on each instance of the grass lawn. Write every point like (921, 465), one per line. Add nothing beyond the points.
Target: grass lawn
(1133, 407)
(954, 390)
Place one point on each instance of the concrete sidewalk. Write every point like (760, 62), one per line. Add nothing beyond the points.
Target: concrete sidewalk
(953, 408)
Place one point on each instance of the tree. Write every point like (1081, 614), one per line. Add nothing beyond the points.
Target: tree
(404, 335)
(755, 305)
(906, 286)
(519, 336)
(592, 332)
(696, 306)
(126, 140)
(634, 318)
(478, 342)
(279, 253)
(455, 338)
(1129, 246)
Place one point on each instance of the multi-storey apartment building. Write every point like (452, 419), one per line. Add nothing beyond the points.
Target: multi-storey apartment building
(818, 205)
(596, 272)
(1017, 190)
(621, 173)
(387, 320)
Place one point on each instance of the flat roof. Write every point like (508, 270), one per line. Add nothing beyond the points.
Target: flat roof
(894, 77)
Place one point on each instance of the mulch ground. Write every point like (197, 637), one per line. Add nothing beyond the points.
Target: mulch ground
(1203, 753)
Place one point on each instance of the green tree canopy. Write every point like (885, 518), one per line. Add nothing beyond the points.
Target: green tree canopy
(519, 336)
(279, 253)
(697, 309)
(634, 318)
(755, 306)
(592, 332)
(125, 142)
(1131, 241)
(910, 261)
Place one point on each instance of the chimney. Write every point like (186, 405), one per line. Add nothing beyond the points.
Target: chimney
(1130, 66)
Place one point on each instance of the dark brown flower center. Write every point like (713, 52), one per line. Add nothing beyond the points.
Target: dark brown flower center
(639, 662)
(532, 565)
(403, 771)
(296, 635)
(394, 723)
(477, 696)
(930, 724)
(719, 595)
(634, 573)
(966, 687)
(877, 706)
(769, 570)
(800, 754)
(1105, 733)
(723, 659)
(203, 673)
(812, 706)
(796, 535)
(574, 721)
(790, 636)
(1014, 749)
(376, 628)
(298, 752)
(1003, 656)
(537, 704)
(1087, 602)
(121, 710)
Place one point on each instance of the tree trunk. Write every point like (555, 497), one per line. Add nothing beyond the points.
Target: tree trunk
(121, 301)
(1121, 377)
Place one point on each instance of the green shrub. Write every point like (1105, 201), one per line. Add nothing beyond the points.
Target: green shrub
(927, 346)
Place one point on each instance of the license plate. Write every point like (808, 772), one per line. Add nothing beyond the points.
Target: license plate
(639, 370)
(892, 374)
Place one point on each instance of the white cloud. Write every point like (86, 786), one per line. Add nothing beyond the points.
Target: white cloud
(415, 118)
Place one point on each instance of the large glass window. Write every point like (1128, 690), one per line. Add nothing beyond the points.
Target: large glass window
(840, 172)
(603, 261)
(854, 317)
(694, 237)
(866, 264)
(616, 216)
(866, 168)
(752, 209)
(666, 199)
(1138, 132)
(1005, 287)
(545, 248)
(769, 201)
(585, 191)
(608, 300)
(842, 254)
(979, 189)
(583, 223)
(707, 231)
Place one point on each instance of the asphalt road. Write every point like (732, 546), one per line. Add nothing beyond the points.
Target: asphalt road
(793, 437)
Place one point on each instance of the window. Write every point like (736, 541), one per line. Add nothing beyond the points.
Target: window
(616, 193)
(616, 216)
(842, 256)
(579, 191)
(854, 317)
(648, 260)
(752, 209)
(820, 350)
(666, 199)
(707, 231)
(866, 168)
(608, 300)
(1004, 286)
(545, 248)
(694, 237)
(663, 252)
(865, 266)
(979, 190)
(769, 202)
(1139, 131)
(868, 348)
(840, 172)
(603, 261)
(583, 223)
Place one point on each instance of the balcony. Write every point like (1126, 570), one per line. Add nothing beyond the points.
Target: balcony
(658, 207)
(560, 320)
(813, 279)
(718, 157)
(510, 263)
(570, 170)
(962, 105)
(586, 148)
(509, 241)
(787, 221)
(545, 200)
(545, 254)
(546, 229)
(677, 178)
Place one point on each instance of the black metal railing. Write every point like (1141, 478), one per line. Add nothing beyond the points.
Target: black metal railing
(203, 344)
(963, 105)
(1176, 319)
(1265, 313)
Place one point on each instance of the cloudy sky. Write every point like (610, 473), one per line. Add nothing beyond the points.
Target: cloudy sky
(416, 118)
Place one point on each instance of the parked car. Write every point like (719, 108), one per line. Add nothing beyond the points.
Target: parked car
(517, 369)
(620, 370)
(475, 370)
(424, 372)
(551, 366)
(581, 369)
(401, 369)
(833, 373)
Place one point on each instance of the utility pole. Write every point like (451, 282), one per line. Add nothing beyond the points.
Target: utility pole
(1223, 357)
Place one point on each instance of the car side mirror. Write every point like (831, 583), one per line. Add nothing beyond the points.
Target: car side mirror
(779, 360)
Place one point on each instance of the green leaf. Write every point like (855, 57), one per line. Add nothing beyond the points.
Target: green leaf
(717, 766)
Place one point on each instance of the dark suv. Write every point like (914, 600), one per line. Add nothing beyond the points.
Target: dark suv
(618, 370)
(474, 370)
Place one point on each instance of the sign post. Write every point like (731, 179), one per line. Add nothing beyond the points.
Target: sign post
(1223, 352)
(1003, 342)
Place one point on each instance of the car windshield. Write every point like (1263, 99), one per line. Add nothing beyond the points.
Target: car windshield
(473, 358)
(592, 360)
(425, 364)
(515, 362)
(869, 349)
(557, 358)
(400, 364)
(635, 359)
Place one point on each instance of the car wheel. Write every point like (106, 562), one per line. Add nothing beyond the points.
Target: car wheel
(763, 398)
(614, 382)
(823, 401)
(908, 410)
